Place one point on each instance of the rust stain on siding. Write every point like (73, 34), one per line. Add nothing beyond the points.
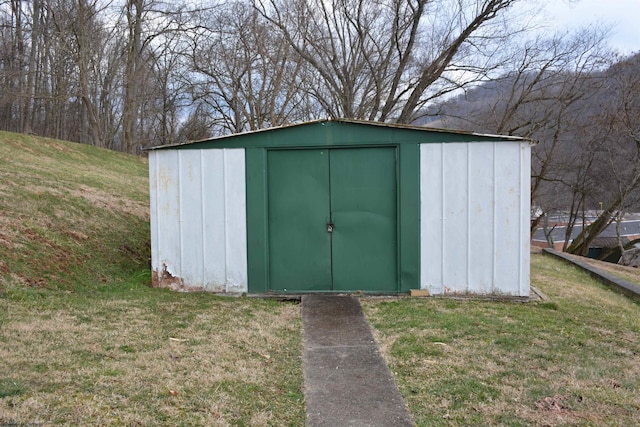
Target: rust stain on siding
(166, 178)
(165, 279)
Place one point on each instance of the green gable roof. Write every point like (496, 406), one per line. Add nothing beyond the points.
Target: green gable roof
(338, 132)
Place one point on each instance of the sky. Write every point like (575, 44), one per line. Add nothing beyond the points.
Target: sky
(622, 15)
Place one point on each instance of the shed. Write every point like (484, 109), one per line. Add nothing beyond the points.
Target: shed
(342, 206)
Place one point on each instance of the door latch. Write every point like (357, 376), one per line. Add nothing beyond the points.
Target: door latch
(330, 228)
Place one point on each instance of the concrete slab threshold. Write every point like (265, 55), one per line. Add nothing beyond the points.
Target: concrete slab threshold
(346, 380)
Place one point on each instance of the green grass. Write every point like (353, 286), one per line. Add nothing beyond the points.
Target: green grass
(574, 360)
(11, 387)
(72, 214)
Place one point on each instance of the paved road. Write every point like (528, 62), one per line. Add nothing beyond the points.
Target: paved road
(628, 228)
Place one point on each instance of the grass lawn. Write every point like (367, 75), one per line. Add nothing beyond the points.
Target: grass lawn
(135, 356)
(131, 355)
(572, 361)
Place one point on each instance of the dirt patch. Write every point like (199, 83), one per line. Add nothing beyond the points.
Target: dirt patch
(554, 404)
(612, 267)
(8, 226)
(7, 240)
(76, 235)
(4, 268)
(111, 202)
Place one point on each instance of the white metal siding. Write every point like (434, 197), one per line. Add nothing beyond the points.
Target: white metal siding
(525, 218)
(235, 220)
(191, 218)
(215, 249)
(474, 217)
(480, 261)
(432, 218)
(198, 219)
(154, 182)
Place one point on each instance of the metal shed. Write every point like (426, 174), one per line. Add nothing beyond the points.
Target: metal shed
(342, 206)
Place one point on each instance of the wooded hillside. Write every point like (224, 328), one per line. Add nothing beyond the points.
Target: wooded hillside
(130, 74)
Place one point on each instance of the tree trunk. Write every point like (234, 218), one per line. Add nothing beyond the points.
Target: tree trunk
(131, 99)
(580, 245)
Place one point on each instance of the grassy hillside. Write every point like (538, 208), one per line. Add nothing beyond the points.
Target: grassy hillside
(83, 341)
(71, 215)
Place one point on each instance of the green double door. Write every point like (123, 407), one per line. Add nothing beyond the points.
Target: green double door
(332, 220)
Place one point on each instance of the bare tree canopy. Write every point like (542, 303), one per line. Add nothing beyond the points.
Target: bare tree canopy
(385, 60)
(135, 73)
(126, 74)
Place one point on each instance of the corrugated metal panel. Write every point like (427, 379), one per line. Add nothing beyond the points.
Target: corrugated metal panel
(191, 218)
(481, 247)
(214, 213)
(198, 215)
(456, 224)
(235, 220)
(525, 218)
(474, 224)
(432, 217)
(167, 215)
(153, 199)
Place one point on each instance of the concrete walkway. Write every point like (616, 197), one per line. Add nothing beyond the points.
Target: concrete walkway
(346, 380)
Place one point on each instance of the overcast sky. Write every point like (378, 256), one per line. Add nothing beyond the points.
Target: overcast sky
(623, 15)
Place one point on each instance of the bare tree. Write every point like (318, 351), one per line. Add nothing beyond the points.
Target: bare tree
(13, 62)
(244, 72)
(385, 60)
(616, 134)
(78, 27)
(129, 73)
(171, 95)
(134, 11)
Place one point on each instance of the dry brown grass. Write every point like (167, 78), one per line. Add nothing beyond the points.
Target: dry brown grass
(183, 360)
(630, 274)
(114, 202)
(84, 342)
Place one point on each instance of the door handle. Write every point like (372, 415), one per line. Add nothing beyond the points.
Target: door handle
(330, 228)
